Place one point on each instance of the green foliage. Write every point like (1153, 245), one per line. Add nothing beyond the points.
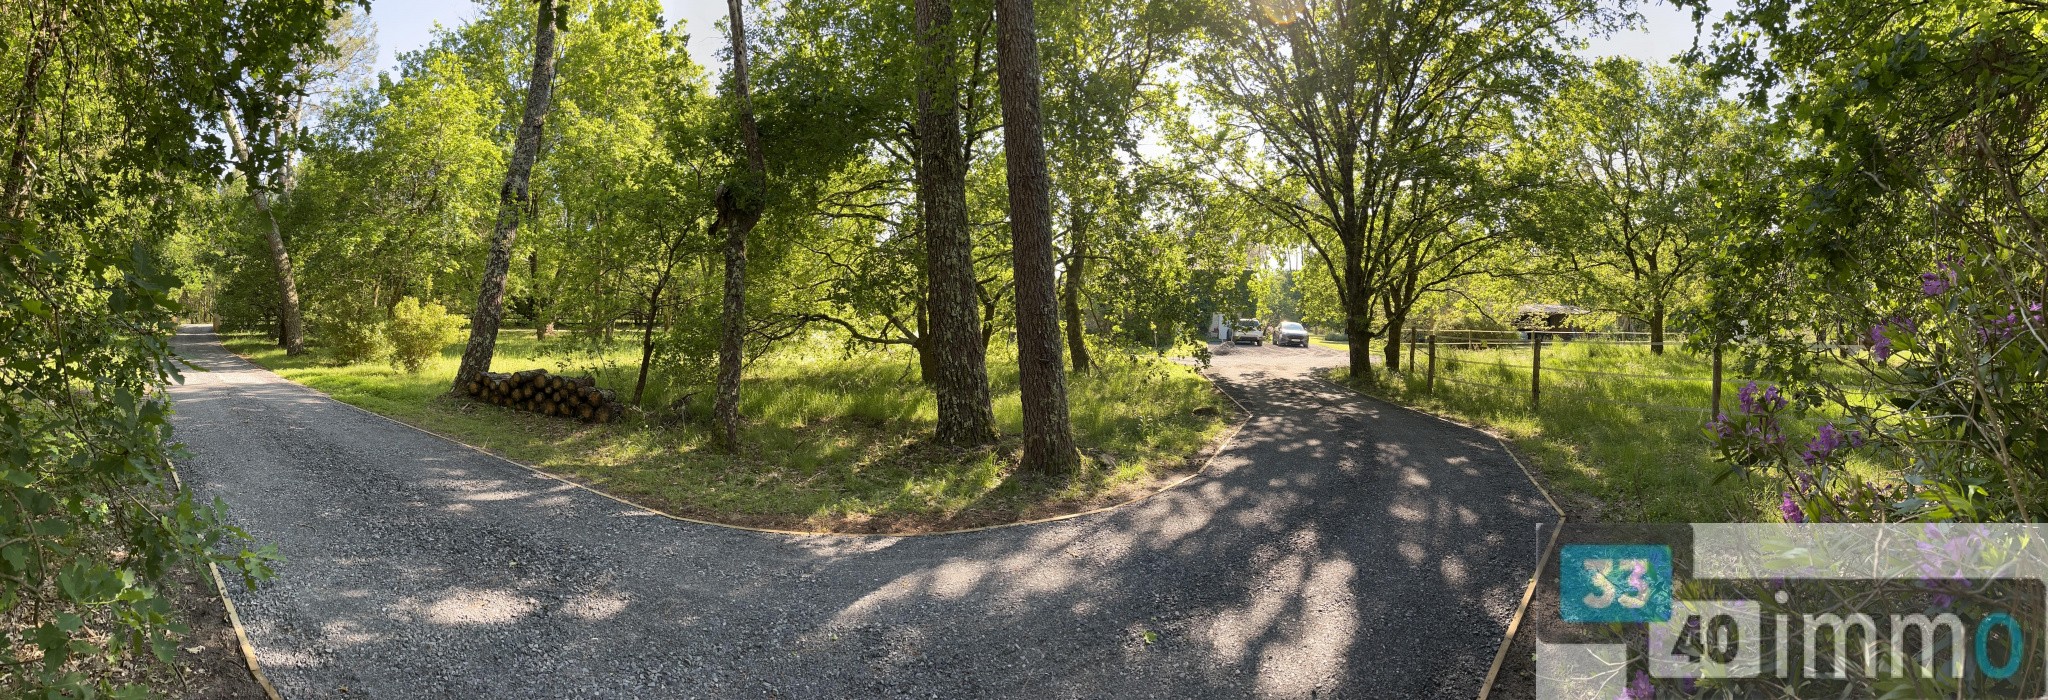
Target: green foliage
(1619, 448)
(1378, 133)
(1964, 396)
(353, 332)
(418, 332)
(1912, 144)
(391, 190)
(103, 162)
(1369, 168)
(1625, 158)
(1953, 390)
(832, 434)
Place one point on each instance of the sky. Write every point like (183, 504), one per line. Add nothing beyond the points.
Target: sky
(1667, 32)
(403, 25)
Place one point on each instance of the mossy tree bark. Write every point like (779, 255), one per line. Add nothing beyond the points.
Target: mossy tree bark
(513, 200)
(951, 351)
(739, 209)
(1042, 376)
(1077, 276)
(291, 331)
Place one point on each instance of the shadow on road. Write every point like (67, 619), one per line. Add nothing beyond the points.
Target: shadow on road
(1340, 548)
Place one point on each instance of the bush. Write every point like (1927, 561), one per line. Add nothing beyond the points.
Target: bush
(355, 341)
(352, 331)
(1951, 392)
(417, 333)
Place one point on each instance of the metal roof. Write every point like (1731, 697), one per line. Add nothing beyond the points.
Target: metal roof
(1550, 309)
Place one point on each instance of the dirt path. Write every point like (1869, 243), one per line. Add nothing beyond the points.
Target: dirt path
(1339, 548)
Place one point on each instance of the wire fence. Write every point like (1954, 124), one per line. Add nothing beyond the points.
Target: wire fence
(1529, 378)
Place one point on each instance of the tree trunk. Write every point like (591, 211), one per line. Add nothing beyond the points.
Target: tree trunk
(1657, 328)
(1357, 316)
(647, 337)
(954, 356)
(739, 208)
(927, 361)
(290, 333)
(1393, 343)
(542, 324)
(19, 167)
(1042, 378)
(1077, 275)
(513, 199)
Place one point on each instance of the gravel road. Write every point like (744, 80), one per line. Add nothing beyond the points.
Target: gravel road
(1340, 547)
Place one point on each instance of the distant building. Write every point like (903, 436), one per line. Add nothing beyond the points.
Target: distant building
(1547, 317)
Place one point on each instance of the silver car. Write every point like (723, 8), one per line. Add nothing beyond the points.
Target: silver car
(1247, 330)
(1291, 333)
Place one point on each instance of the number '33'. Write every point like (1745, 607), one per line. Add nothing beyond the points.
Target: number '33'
(1599, 571)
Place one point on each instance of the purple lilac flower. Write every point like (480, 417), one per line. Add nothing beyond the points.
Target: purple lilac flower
(1933, 284)
(1723, 427)
(1748, 397)
(2000, 329)
(1823, 445)
(1790, 508)
(1772, 398)
(1880, 346)
(1943, 554)
(1639, 689)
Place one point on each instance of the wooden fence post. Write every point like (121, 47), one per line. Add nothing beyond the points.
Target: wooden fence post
(1432, 363)
(1535, 370)
(1717, 380)
(1412, 337)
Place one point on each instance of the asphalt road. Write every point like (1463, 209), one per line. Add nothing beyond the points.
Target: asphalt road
(1339, 548)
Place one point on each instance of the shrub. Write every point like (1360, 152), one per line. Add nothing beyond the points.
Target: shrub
(353, 332)
(1952, 388)
(417, 332)
(355, 341)
(93, 525)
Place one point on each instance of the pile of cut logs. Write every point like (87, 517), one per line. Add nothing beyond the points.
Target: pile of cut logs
(548, 394)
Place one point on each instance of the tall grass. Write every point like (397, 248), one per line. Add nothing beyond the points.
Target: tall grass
(1620, 448)
(833, 439)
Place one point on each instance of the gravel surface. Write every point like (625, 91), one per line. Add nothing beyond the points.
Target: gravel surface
(1340, 547)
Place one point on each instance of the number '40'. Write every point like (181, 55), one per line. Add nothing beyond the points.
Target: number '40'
(1723, 639)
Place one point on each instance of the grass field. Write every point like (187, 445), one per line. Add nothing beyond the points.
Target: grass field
(832, 441)
(1613, 448)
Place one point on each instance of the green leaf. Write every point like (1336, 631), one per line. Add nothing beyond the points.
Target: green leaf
(52, 527)
(56, 645)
